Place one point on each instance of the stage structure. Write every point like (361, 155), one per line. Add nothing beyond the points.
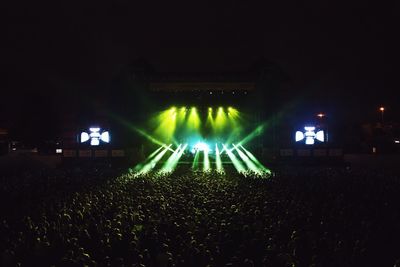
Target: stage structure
(201, 120)
(203, 139)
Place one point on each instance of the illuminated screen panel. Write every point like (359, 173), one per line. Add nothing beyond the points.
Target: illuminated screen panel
(310, 135)
(95, 136)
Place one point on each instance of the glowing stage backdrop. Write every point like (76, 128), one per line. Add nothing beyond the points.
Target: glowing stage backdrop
(204, 138)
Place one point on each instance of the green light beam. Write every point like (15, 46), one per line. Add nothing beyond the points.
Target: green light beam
(236, 163)
(181, 115)
(258, 131)
(206, 166)
(169, 164)
(150, 138)
(223, 149)
(165, 123)
(149, 166)
(193, 121)
(195, 164)
(255, 160)
(171, 167)
(140, 132)
(247, 161)
(140, 165)
(210, 120)
(218, 160)
(220, 120)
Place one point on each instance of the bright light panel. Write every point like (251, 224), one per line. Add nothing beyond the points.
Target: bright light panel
(95, 136)
(94, 142)
(309, 135)
(299, 136)
(94, 129)
(201, 146)
(84, 137)
(320, 136)
(105, 137)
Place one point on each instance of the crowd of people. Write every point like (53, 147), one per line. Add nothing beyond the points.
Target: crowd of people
(100, 217)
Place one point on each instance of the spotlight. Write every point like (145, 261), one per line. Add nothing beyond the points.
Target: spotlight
(95, 135)
(310, 135)
(200, 146)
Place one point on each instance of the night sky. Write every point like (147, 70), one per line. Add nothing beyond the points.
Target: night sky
(56, 51)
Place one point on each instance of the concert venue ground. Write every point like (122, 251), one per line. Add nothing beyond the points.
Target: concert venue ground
(101, 216)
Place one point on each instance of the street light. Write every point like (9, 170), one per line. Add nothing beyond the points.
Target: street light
(321, 115)
(382, 110)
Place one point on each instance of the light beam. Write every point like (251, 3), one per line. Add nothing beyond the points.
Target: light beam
(236, 163)
(218, 160)
(149, 166)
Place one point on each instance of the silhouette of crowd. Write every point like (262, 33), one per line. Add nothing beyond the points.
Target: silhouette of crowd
(101, 217)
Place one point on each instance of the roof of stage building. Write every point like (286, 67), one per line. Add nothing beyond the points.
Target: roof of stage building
(202, 86)
(246, 80)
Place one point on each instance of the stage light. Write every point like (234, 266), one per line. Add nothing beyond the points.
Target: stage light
(320, 136)
(236, 163)
(165, 125)
(255, 160)
(206, 165)
(149, 137)
(84, 137)
(193, 120)
(105, 137)
(181, 116)
(149, 166)
(246, 160)
(310, 141)
(95, 135)
(210, 119)
(170, 160)
(94, 129)
(201, 146)
(310, 135)
(170, 164)
(299, 136)
(218, 161)
(233, 113)
(195, 164)
(256, 132)
(141, 132)
(94, 142)
(192, 130)
(220, 120)
(140, 165)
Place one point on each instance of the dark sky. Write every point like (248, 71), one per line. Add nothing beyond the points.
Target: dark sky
(338, 49)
